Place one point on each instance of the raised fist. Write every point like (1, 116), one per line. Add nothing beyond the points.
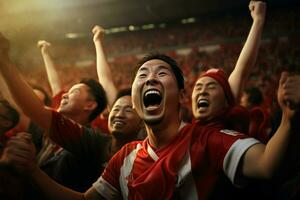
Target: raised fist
(258, 10)
(43, 45)
(98, 32)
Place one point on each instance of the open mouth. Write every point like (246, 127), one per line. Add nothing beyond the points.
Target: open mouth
(63, 102)
(202, 103)
(152, 98)
(118, 123)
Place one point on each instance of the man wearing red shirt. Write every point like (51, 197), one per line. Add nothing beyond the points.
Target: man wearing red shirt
(178, 160)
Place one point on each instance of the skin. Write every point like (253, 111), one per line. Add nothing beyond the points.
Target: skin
(207, 88)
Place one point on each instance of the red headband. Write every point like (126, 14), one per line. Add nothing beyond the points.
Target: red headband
(220, 76)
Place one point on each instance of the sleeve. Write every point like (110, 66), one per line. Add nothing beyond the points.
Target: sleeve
(106, 190)
(108, 184)
(233, 157)
(79, 140)
(226, 149)
(56, 99)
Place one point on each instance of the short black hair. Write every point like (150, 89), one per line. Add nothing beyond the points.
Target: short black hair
(97, 91)
(47, 100)
(255, 97)
(11, 114)
(122, 93)
(174, 66)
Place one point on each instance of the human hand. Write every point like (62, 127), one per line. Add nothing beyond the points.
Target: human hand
(98, 32)
(257, 10)
(43, 45)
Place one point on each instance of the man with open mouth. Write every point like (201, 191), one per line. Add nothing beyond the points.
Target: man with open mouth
(178, 160)
(181, 160)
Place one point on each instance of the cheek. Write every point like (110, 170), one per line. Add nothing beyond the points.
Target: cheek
(135, 95)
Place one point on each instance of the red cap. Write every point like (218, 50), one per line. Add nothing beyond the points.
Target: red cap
(220, 76)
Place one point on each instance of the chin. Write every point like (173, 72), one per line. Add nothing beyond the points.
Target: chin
(153, 120)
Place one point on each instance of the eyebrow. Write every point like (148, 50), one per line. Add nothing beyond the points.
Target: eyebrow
(127, 106)
(208, 84)
(74, 89)
(160, 67)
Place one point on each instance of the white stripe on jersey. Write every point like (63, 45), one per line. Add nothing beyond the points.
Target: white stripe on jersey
(233, 156)
(151, 153)
(185, 182)
(106, 189)
(125, 170)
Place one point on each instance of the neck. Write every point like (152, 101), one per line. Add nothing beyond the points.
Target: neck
(80, 119)
(162, 134)
(117, 144)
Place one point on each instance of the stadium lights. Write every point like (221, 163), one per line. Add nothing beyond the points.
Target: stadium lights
(188, 20)
(74, 35)
(148, 26)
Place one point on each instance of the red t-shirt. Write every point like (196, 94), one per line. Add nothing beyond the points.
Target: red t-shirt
(187, 168)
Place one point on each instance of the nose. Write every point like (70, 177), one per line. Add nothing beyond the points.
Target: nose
(65, 95)
(203, 91)
(152, 79)
(120, 113)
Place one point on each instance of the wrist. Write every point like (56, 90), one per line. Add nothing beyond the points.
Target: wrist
(259, 21)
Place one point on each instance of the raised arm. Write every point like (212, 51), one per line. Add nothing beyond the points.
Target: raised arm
(103, 69)
(260, 160)
(55, 82)
(22, 93)
(249, 52)
(20, 153)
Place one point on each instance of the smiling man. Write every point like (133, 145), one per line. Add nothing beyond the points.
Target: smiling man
(82, 149)
(177, 160)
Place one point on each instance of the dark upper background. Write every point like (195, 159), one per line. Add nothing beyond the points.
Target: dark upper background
(30, 20)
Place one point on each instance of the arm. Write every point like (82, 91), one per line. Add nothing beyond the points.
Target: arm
(103, 69)
(249, 52)
(20, 154)
(260, 160)
(32, 107)
(55, 82)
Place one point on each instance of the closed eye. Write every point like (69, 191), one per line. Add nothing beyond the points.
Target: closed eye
(142, 75)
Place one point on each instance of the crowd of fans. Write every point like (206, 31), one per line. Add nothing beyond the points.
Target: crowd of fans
(210, 42)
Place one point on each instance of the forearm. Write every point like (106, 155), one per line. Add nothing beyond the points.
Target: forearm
(105, 74)
(277, 146)
(24, 96)
(247, 59)
(55, 82)
(266, 159)
(52, 190)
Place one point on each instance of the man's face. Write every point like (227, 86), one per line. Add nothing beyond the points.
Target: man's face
(123, 121)
(208, 98)
(76, 100)
(155, 93)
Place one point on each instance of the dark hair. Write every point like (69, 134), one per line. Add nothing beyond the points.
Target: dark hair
(97, 91)
(11, 114)
(174, 66)
(47, 100)
(255, 96)
(122, 93)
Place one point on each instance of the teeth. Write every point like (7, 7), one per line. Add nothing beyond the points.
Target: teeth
(152, 92)
(202, 103)
(117, 122)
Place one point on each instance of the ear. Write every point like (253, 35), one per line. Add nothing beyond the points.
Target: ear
(91, 105)
(182, 96)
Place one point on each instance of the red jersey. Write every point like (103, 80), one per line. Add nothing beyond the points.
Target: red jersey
(187, 168)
